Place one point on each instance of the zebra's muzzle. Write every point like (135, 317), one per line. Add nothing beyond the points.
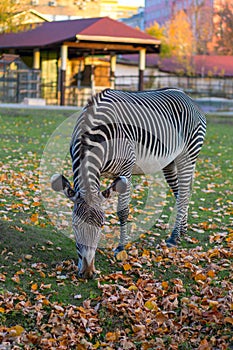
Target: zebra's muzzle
(86, 264)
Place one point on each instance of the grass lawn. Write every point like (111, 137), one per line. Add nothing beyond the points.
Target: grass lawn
(150, 297)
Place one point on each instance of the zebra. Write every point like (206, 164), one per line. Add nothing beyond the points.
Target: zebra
(119, 134)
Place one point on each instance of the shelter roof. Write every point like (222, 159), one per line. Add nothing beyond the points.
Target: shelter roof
(102, 29)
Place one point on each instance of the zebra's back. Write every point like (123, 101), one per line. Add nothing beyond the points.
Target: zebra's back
(155, 125)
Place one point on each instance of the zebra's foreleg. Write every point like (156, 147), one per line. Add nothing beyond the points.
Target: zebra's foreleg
(185, 170)
(123, 212)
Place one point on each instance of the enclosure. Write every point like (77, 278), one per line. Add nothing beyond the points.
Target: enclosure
(150, 297)
(17, 81)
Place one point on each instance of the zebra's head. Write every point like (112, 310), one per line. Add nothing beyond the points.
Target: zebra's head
(87, 220)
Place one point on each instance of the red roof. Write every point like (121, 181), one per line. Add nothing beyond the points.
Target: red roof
(203, 65)
(50, 33)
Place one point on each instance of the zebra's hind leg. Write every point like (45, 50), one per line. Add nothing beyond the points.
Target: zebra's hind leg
(123, 212)
(170, 173)
(185, 170)
(171, 176)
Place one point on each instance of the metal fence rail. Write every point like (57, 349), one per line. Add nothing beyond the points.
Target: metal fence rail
(195, 86)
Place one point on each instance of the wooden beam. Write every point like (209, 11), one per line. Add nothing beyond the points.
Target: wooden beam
(105, 47)
(36, 59)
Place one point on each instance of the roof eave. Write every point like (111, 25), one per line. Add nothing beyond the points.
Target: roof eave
(138, 41)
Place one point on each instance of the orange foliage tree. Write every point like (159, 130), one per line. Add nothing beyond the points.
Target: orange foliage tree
(222, 43)
(181, 40)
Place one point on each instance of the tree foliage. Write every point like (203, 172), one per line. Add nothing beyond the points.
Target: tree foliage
(180, 36)
(223, 41)
(8, 19)
(159, 32)
(177, 39)
(181, 40)
(201, 18)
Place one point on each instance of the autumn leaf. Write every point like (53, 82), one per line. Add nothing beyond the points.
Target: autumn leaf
(16, 331)
(34, 286)
(151, 305)
(122, 256)
(127, 267)
(112, 336)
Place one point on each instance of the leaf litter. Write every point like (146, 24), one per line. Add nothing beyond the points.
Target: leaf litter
(156, 298)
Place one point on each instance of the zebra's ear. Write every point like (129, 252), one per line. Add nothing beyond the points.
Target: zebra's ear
(60, 183)
(120, 185)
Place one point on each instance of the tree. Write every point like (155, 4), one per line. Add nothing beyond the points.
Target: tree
(160, 34)
(181, 40)
(8, 10)
(223, 24)
(200, 15)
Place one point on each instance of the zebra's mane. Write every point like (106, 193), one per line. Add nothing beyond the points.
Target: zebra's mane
(95, 98)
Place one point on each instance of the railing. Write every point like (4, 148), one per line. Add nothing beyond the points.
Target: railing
(195, 86)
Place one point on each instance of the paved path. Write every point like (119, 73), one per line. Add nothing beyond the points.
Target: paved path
(23, 106)
(227, 114)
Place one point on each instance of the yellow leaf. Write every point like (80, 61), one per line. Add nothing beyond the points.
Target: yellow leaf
(34, 218)
(133, 287)
(3, 177)
(122, 256)
(213, 303)
(112, 336)
(35, 204)
(16, 331)
(42, 274)
(151, 305)
(211, 273)
(165, 285)
(200, 277)
(2, 310)
(127, 267)
(158, 258)
(146, 253)
(34, 286)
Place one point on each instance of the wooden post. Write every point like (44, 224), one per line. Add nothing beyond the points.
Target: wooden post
(112, 70)
(36, 59)
(64, 55)
(142, 65)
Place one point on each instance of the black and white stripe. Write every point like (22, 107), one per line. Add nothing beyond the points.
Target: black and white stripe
(125, 133)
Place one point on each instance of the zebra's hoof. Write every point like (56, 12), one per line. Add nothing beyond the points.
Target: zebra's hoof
(172, 242)
(118, 250)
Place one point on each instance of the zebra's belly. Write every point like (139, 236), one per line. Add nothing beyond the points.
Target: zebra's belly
(151, 164)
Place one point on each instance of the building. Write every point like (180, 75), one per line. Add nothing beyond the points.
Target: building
(66, 53)
(58, 10)
(135, 21)
(199, 13)
(162, 11)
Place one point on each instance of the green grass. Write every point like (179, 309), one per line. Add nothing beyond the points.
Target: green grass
(37, 260)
